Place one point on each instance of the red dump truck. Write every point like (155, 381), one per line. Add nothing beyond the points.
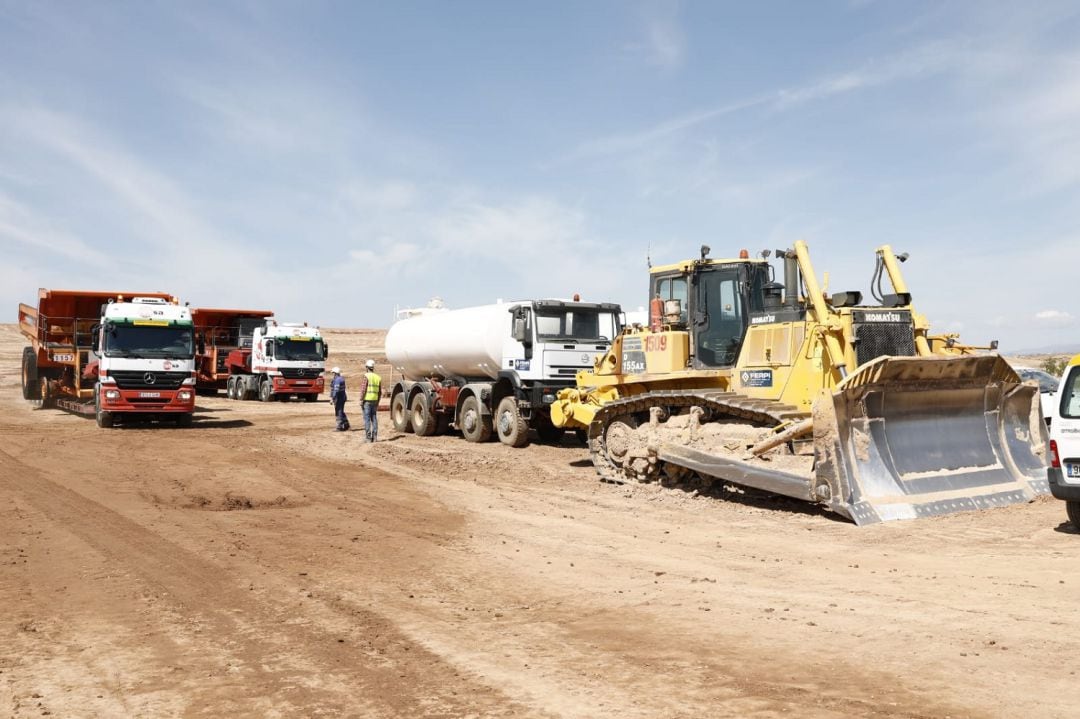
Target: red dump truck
(111, 354)
(251, 355)
(218, 333)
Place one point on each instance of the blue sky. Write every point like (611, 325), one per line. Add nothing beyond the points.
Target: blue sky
(332, 161)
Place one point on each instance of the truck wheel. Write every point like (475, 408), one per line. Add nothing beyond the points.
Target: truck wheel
(510, 426)
(424, 422)
(230, 389)
(475, 426)
(399, 413)
(265, 391)
(104, 419)
(184, 420)
(45, 393)
(1072, 508)
(29, 374)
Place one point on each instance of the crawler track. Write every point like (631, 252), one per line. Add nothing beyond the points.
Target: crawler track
(759, 412)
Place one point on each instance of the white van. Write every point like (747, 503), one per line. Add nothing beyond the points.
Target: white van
(1064, 470)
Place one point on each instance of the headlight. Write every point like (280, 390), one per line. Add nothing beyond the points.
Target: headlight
(279, 380)
(112, 394)
(183, 395)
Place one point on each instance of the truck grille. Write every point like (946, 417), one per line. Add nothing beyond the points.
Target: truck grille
(878, 339)
(300, 372)
(148, 379)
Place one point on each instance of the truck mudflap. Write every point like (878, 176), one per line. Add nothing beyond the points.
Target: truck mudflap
(906, 437)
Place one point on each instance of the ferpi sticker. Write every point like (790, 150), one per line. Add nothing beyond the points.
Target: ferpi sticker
(756, 378)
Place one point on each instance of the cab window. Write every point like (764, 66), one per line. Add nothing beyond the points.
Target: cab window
(673, 288)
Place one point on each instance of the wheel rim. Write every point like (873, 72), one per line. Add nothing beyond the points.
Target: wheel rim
(469, 421)
(618, 440)
(505, 422)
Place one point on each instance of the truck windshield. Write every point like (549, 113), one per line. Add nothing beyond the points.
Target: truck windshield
(124, 340)
(292, 350)
(575, 325)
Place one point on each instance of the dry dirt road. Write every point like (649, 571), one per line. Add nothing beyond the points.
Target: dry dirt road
(261, 565)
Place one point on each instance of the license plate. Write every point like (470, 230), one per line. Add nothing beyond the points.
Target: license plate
(149, 394)
(302, 381)
(1072, 470)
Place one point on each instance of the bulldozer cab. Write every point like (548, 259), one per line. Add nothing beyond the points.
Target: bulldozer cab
(712, 300)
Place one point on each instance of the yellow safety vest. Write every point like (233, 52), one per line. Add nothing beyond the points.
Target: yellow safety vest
(374, 384)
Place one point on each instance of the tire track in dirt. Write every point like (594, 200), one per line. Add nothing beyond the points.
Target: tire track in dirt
(600, 658)
(280, 660)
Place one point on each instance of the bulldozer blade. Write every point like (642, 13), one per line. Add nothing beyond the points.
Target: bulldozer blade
(906, 437)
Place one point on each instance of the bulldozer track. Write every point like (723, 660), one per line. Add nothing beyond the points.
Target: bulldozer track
(761, 412)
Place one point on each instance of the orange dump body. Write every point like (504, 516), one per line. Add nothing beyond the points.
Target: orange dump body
(219, 333)
(60, 333)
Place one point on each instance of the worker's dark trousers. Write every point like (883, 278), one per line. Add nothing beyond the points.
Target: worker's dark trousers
(339, 412)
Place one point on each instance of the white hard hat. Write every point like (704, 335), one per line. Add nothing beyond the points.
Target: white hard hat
(370, 364)
(336, 370)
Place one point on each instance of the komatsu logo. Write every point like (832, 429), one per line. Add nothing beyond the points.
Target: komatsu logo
(764, 319)
(883, 317)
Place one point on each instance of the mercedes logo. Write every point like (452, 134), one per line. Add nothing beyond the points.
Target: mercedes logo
(149, 378)
(300, 373)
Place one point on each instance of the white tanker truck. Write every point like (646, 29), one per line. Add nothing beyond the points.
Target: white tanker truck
(495, 368)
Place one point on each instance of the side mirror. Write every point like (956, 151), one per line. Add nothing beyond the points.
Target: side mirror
(325, 350)
(269, 348)
(520, 330)
(95, 338)
(200, 345)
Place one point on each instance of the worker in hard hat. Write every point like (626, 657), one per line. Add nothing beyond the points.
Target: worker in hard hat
(337, 398)
(370, 389)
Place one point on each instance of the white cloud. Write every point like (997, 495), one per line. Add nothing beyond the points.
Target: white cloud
(1054, 318)
(923, 60)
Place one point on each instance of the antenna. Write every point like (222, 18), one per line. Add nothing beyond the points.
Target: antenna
(648, 254)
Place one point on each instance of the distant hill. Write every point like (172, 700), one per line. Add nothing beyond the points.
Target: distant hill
(1062, 349)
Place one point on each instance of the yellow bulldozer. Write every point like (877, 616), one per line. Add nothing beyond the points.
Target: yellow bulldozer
(785, 388)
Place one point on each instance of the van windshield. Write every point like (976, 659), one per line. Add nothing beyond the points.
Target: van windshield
(1070, 394)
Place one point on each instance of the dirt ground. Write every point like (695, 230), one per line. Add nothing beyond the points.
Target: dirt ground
(262, 565)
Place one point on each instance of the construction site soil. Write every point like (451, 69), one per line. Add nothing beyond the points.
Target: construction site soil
(260, 564)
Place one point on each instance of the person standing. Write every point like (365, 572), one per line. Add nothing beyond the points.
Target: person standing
(370, 390)
(338, 396)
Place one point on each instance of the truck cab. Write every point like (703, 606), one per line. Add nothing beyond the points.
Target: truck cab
(143, 353)
(284, 359)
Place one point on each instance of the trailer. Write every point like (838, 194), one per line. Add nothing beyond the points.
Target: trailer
(494, 370)
(218, 333)
(111, 354)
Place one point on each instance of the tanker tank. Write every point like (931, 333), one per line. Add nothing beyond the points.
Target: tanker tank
(469, 342)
